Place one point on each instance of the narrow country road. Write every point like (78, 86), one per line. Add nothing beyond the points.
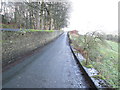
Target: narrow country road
(52, 67)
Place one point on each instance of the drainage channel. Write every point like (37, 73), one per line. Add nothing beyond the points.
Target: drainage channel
(88, 79)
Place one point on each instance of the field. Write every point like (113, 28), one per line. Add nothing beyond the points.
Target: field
(107, 63)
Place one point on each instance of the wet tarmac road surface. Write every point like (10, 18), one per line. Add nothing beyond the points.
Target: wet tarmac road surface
(53, 67)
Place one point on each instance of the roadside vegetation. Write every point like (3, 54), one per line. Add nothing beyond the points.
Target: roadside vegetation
(12, 27)
(35, 30)
(99, 53)
(7, 25)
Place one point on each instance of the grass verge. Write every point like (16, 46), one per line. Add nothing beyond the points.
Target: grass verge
(107, 62)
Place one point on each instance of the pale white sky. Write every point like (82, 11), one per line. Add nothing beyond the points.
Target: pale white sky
(91, 15)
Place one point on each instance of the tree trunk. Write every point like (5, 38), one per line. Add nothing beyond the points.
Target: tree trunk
(87, 58)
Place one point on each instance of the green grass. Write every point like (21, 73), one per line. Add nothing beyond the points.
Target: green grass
(107, 63)
(34, 30)
(114, 45)
(99, 77)
(88, 65)
(8, 26)
(108, 66)
(13, 26)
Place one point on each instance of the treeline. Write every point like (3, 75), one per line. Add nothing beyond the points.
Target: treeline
(111, 37)
(42, 15)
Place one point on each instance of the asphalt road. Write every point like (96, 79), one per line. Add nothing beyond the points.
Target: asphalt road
(52, 67)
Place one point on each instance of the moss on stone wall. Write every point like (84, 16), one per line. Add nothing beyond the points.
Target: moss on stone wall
(15, 44)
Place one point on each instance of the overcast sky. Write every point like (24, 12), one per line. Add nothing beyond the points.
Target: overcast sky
(90, 15)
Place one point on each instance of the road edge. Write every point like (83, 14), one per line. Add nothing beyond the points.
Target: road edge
(92, 84)
(87, 75)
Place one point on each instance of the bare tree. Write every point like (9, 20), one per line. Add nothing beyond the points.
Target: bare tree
(37, 15)
(88, 44)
